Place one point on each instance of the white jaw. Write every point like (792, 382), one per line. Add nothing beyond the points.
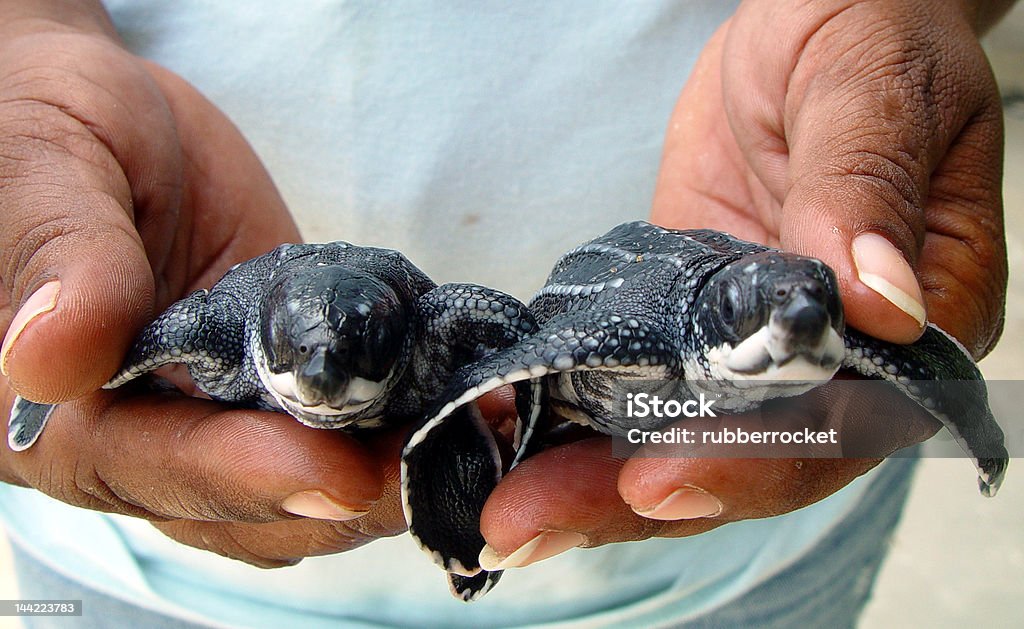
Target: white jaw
(362, 393)
(763, 357)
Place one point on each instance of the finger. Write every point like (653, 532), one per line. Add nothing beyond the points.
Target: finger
(846, 127)
(582, 495)
(282, 543)
(526, 523)
(74, 163)
(963, 263)
(562, 498)
(854, 425)
(200, 461)
(684, 490)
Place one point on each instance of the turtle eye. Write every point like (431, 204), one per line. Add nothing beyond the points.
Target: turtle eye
(728, 312)
(730, 307)
(381, 344)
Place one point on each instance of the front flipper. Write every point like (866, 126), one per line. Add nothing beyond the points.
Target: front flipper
(442, 474)
(451, 462)
(26, 423)
(938, 373)
(206, 336)
(197, 331)
(469, 589)
(449, 469)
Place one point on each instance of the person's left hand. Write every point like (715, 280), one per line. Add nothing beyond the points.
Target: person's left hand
(867, 134)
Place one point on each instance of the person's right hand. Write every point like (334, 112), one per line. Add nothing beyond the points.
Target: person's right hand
(121, 190)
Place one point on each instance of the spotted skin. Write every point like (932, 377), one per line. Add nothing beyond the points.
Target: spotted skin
(632, 309)
(946, 383)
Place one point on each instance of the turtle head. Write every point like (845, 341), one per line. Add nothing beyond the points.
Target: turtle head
(331, 339)
(772, 316)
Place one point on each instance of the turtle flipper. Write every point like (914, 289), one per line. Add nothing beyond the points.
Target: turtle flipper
(193, 331)
(204, 334)
(938, 373)
(26, 423)
(462, 323)
(451, 461)
(450, 466)
(465, 323)
(471, 588)
(444, 467)
(448, 470)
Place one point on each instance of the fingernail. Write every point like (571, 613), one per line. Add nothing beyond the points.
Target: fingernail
(883, 269)
(314, 503)
(685, 503)
(544, 546)
(40, 302)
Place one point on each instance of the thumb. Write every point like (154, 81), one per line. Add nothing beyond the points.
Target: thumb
(874, 133)
(75, 274)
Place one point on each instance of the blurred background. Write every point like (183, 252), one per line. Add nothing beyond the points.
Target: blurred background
(957, 559)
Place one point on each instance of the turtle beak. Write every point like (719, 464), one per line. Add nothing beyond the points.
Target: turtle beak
(804, 319)
(802, 326)
(319, 380)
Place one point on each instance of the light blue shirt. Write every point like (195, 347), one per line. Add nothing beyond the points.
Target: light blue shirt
(482, 141)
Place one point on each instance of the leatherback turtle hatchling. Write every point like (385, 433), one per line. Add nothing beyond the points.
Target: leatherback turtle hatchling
(339, 336)
(690, 312)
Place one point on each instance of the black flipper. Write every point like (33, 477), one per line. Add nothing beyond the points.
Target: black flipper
(436, 491)
(449, 471)
(195, 331)
(26, 423)
(205, 334)
(469, 589)
(939, 374)
(451, 463)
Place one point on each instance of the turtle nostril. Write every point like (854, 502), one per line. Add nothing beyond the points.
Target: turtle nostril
(780, 294)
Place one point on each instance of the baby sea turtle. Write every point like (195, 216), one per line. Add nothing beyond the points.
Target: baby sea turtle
(339, 336)
(690, 312)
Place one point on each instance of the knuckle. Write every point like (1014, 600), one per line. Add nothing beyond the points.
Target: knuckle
(46, 194)
(75, 484)
(90, 486)
(886, 188)
(227, 540)
(335, 537)
(39, 138)
(889, 176)
(373, 526)
(25, 248)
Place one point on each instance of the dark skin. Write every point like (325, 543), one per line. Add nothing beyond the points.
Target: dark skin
(803, 146)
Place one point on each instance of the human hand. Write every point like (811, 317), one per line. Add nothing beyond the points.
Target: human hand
(850, 118)
(123, 189)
